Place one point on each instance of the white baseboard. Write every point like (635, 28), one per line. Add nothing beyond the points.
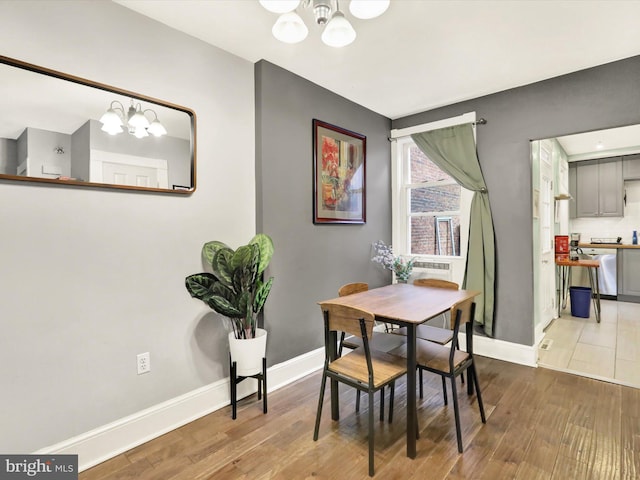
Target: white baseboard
(501, 350)
(103, 443)
(106, 442)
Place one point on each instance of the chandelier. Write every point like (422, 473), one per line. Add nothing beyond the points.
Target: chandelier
(338, 32)
(134, 119)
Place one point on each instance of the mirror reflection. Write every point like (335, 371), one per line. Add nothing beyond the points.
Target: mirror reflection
(60, 129)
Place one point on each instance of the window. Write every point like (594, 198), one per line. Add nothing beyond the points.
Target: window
(432, 203)
(430, 210)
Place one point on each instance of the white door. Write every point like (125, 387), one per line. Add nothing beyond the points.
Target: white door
(546, 279)
(134, 175)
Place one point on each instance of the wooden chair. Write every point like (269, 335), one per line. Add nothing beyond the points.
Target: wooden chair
(364, 368)
(449, 362)
(379, 341)
(441, 336)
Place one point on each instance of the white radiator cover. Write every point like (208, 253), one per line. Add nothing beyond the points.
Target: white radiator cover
(441, 270)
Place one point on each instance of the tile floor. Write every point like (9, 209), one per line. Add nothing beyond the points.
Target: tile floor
(609, 350)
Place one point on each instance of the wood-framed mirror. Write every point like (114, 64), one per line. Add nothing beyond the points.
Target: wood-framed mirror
(53, 130)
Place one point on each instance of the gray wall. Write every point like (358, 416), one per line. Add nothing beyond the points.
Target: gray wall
(89, 278)
(311, 261)
(593, 99)
(8, 156)
(80, 146)
(40, 152)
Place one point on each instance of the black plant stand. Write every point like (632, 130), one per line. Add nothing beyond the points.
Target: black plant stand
(235, 380)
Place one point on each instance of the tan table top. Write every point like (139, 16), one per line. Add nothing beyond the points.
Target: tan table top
(405, 302)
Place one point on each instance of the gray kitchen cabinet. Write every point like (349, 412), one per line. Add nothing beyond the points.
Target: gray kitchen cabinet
(572, 190)
(631, 167)
(599, 188)
(629, 275)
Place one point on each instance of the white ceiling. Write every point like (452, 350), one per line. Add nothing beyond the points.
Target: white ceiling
(422, 54)
(602, 143)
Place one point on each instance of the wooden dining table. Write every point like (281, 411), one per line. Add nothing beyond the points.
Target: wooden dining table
(408, 306)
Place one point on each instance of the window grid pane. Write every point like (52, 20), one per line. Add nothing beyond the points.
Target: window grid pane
(432, 202)
(441, 198)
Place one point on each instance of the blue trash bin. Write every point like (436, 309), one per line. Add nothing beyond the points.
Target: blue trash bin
(580, 301)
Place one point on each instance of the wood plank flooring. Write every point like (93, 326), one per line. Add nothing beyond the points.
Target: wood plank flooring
(541, 424)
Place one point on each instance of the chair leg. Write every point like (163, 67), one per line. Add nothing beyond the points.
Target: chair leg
(234, 389)
(420, 380)
(381, 404)
(474, 374)
(357, 400)
(444, 390)
(319, 412)
(391, 395)
(264, 381)
(371, 435)
(456, 412)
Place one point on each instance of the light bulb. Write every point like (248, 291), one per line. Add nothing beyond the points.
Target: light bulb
(137, 120)
(338, 32)
(140, 132)
(366, 9)
(156, 129)
(280, 6)
(290, 28)
(111, 129)
(110, 118)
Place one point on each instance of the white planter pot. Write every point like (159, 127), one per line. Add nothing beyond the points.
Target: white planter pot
(248, 353)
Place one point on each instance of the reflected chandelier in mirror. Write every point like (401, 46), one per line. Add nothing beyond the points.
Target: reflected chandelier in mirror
(65, 130)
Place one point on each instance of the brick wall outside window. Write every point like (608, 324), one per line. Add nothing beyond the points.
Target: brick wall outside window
(432, 199)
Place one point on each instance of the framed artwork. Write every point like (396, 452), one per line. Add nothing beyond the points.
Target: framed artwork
(339, 161)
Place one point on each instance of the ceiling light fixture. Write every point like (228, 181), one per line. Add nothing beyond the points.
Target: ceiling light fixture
(134, 119)
(338, 31)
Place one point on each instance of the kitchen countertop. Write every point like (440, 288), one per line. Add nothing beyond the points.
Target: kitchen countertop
(607, 245)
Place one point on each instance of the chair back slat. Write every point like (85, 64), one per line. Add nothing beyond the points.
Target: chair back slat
(347, 319)
(436, 283)
(465, 309)
(351, 288)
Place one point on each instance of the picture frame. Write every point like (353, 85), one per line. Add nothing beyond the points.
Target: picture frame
(339, 175)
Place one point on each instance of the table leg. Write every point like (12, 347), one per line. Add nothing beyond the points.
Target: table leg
(565, 281)
(559, 289)
(412, 423)
(596, 291)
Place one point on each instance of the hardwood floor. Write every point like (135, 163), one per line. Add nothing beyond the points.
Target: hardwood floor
(541, 424)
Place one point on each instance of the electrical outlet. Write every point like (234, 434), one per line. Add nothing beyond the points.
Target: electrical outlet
(144, 363)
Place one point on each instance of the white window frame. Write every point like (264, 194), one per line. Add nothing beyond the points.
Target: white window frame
(399, 196)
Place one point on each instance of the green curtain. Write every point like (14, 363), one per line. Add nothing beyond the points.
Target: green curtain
(453, 149)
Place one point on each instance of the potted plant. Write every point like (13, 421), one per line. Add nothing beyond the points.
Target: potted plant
(236, 290)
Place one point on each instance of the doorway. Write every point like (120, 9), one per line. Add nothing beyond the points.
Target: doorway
(609, 350)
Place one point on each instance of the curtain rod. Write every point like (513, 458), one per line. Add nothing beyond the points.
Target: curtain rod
(480, 121)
